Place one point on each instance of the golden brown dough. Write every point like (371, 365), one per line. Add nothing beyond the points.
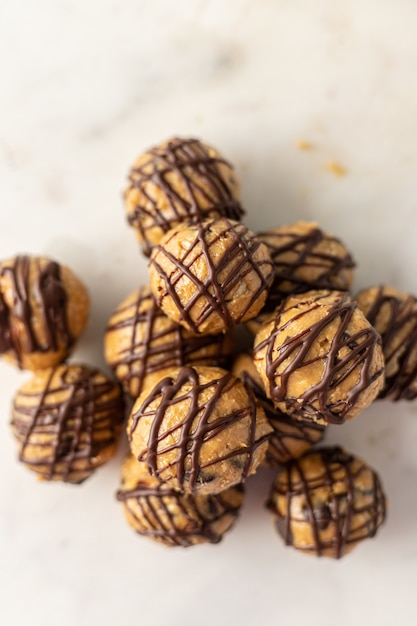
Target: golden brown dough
(166, 516)
(43, 310)
(319, 357)
(199, 430)
(179, 180)
(211, 275)
(393, 313)
(66, 421)
(327, 502)
(142, 344)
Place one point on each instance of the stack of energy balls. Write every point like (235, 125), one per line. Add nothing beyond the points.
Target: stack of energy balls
(206, 412)
(201, 425)
(67, 418)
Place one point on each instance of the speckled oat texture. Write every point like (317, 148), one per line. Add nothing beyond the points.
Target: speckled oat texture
(327, 502)
(179, 180)
(210, 276)
(319, 358)
(142, 344)
(156, 511)
(66, 421)
(199, 430)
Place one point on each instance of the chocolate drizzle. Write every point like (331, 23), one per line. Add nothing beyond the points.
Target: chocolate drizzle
(332, 489)
(177, 519)
(290, 437)
(48, 292)
(295, 352)
(398, 329)
(304, 260)
(63, 429)
(188, 436)
(226, 271)
(202, 189)
(156, 343)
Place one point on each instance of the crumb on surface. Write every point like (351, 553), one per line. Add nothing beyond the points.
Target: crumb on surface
(303, 145)
(335, 168)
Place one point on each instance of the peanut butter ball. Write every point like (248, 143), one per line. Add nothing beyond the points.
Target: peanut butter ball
(166, 516)
(142, 344)
(394, 315)
(319, 358)
(327, 502)
(199, 430)
(66, 421)
(305, 257)
(211, 275)
(290, 437)
(43, 310)
(181, 179)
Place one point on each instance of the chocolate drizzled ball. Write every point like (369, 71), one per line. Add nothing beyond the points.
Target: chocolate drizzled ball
(305, 257)
(43, 309)
(166, 516)
(394, 315)
(211, 275)
(327, 502)
(181, 179)
(66, 421)
(142, 344)
(290, 437)
(319, 357)
(199, 430)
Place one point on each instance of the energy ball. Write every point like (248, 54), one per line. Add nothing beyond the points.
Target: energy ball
(394, 315)
(43, 310)
(166, 516)
(142, 344)
(211, 275)
(290, 437)
(199, 430)
(305, 257)
(327, 502)
(66, 421)
(319, 358)
(181, 179)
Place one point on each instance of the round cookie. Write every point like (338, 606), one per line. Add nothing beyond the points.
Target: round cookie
(319, 358)
(305, 257)
(179, 180)
(290, 437)
(211, 275)
(394, 315)
(43, 310)
(199, 430)
(66, 421)
(166, 516)
(142, 344)
(327, 502)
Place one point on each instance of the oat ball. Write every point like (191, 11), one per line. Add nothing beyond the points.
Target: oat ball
(319, 358)
(394, 315)
(290, 437)
(305, 257)
(181, 179)
(158, 512)
(327, 502)
(66, 421)
(199, 430)
(43, 310)
(142, 344)
(211, 275)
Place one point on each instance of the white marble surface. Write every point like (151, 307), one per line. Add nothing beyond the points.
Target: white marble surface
(85, 86)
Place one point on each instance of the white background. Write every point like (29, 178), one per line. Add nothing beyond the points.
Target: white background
(85, 87)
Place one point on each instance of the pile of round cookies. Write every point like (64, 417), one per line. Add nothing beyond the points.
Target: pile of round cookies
(206, 414)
